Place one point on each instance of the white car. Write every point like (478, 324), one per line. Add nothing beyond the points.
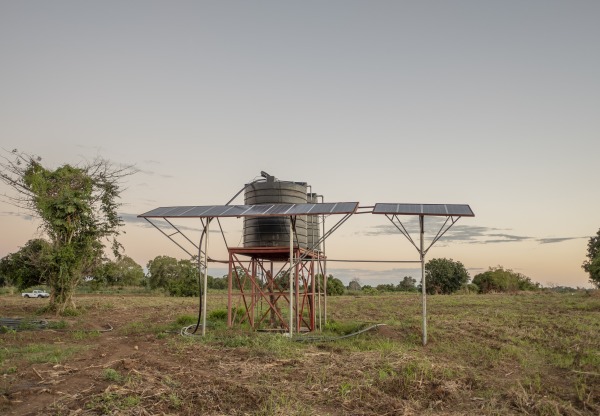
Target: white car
(36, 294)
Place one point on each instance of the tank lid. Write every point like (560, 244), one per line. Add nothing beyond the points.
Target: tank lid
(268, 177)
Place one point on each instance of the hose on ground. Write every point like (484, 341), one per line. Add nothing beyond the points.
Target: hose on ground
(21, 324)
(330, 339)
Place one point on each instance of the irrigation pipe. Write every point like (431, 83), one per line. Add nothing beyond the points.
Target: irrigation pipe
(19, 324)
(329, 339)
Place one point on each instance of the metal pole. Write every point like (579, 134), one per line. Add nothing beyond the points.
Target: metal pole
(229, 291)
(324, 271)
(319, 289)
(205, 277)
(291, 279)
(423, 290)
(297, 290)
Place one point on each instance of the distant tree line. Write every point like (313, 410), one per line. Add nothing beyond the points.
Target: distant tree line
(27, 268)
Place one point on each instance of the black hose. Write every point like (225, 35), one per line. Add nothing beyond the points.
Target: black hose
(330, 339)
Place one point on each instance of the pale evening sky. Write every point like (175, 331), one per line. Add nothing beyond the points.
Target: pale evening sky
(492, 104)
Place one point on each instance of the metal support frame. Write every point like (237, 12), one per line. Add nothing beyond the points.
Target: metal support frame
(205, 280)
(253, 280)
(448, 223)
(301, 271)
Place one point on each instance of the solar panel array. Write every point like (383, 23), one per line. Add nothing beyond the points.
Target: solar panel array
(424, 209)
(263, 210)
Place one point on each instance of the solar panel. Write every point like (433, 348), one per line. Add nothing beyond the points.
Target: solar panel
(424, 209)
(252, 210)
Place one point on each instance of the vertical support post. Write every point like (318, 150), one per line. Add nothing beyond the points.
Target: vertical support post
(297, 290)
(319, 289)
(324, 275)
(291, 279)
(205, 277)
(423, 283)
(229, 292)
(254, 301)
(312, 296)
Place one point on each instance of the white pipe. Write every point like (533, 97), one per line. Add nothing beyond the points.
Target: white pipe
(291, 279)
(423, 290)
(205, 278)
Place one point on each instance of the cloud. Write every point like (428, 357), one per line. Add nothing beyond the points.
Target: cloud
(471, 234)
(552, 240)
(27, 217)
(468, 234)
(374, 277)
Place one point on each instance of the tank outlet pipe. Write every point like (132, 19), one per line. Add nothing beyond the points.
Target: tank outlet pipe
(423, 283)
(291, 278)
(205, 279)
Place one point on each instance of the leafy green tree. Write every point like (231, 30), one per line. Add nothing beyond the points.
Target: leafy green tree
(444, 276)
(408, 284)
(354, 284)
(123, 271)
(386, 287)
(334, 286)
(592, 264)
(218, 283)
(498, 279)
(77, 206)
(161, 270)
(186, 283)
(178, 277)
(27, 267)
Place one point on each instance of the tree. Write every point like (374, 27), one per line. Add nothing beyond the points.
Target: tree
(218, 283)
(592, 264)
(26, 267)
(444, 276)
(161, 270)
(178, 277)
(386, 287)
(354, 284)
(498, 279)
(335, 286)
(186, 283)
(77, 206)
(123, 271)
(408, 284)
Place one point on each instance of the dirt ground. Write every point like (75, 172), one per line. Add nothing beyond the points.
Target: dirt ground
(143, 366)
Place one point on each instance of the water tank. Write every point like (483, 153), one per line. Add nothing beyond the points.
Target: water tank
(274, 231)
(313, 230)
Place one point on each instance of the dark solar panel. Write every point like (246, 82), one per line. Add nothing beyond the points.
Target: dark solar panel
(424, 209)
(252, 210)
(460, 210)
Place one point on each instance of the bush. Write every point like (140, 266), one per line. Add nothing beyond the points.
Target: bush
(498, 279)
(444, 276)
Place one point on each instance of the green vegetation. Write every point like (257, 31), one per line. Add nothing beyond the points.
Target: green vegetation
(592, 264)
(497, 279)
(178, 277)
(26, 267)
(514, 353)
(78, 211)
(35, 353)
(122, 272)
(444, 276)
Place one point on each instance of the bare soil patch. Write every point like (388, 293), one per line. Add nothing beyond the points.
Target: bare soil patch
(486, 356)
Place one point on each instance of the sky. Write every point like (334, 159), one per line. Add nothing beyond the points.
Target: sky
(491, 104)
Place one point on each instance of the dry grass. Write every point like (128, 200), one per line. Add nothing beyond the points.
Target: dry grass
(534, 354)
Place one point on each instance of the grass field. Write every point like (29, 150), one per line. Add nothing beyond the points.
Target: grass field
(534, 353)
